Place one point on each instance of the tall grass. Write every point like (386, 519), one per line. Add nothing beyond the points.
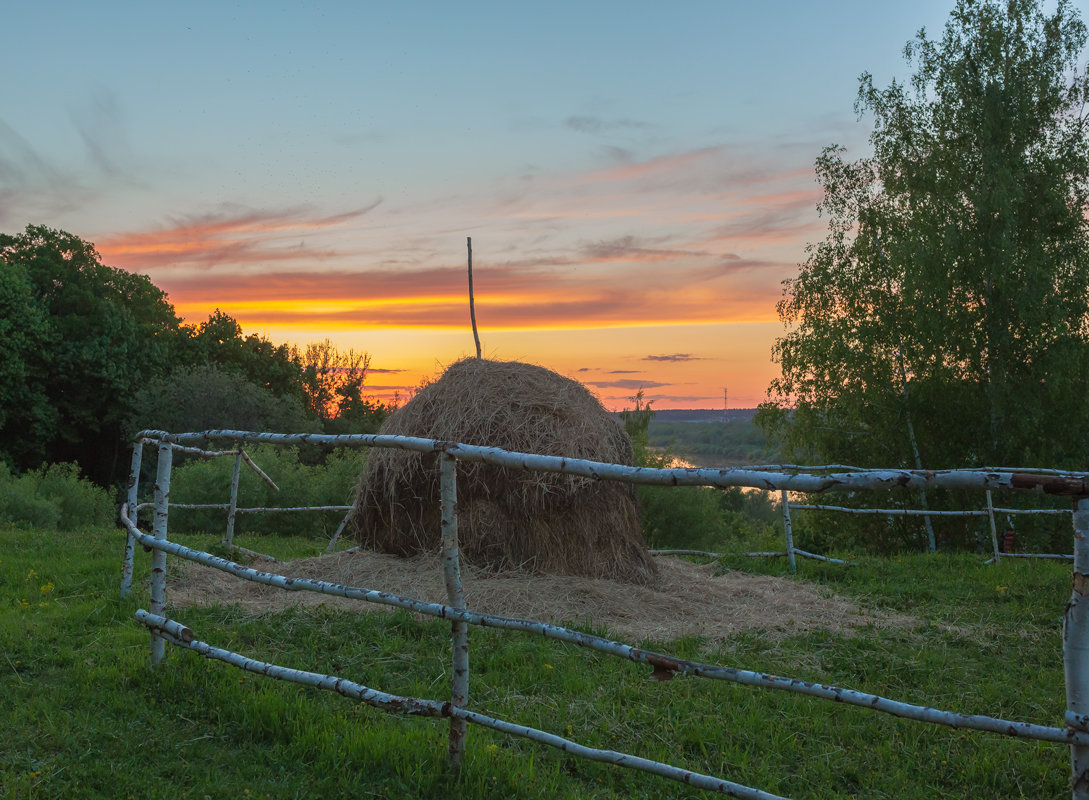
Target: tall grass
(84, 716)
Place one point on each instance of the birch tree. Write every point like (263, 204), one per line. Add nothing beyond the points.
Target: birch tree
(944, 318)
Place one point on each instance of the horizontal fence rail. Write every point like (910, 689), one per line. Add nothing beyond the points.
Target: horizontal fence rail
(724, 478)
(183, 637)
(664, 666)
(782, 478)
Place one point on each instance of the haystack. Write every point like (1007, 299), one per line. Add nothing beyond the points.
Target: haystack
(507, 519)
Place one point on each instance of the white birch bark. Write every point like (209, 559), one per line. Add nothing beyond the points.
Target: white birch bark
(459, 631)
(260, 472)
(1076, 653)
(158, 558)
(182, 636)
(1029, 480)
(232, 505)
(131, 502)
(890, 512)
(994, 530)
(788, 531)
(340, 529)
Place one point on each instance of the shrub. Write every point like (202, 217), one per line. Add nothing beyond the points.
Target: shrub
(300, 484)
(55, 497)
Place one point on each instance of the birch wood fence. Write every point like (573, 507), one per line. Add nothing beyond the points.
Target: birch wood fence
(164, 630)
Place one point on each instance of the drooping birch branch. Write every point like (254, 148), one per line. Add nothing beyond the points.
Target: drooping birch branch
(260, 472)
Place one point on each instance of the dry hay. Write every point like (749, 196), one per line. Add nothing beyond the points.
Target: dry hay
(688, 600)
(507, 519)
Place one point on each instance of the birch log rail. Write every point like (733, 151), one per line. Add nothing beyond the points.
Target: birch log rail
(163, 630)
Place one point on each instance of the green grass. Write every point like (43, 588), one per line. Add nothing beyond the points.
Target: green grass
(83, 715)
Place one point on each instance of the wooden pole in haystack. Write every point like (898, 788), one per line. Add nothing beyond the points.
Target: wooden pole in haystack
(459, 630)
(472, 303)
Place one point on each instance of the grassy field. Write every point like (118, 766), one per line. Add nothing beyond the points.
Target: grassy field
(83, 715)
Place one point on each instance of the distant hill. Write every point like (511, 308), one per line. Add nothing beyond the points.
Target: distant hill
(703, 414)
(700, 436)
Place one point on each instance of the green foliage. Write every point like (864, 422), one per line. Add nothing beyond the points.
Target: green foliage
(53, 498)
(219, 343)
(84, 337)
(93, 354)
(213, 397)
(333, 381)
(26, 416)
(943, 321)
(331, 482)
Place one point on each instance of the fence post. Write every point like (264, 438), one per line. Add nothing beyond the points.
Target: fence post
(158, 557)
(134, 515)
(1076, 652)
(339, 530)
(788, 531)
(459, 634)
(994, 530)
(232, 509)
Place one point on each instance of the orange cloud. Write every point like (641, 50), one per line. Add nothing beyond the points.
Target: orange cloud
(655, 166)
(231, 235)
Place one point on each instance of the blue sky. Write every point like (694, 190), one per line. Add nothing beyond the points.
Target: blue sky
(637, 178)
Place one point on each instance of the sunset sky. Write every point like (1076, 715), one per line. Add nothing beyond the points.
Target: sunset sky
(637, 178)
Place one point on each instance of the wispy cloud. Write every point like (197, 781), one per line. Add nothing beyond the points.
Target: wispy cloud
(674, 357)
(593, 124)
(230, 235)
(99, 121)
(437, 298)
(625, 384)
(667, 165)
(31, 186)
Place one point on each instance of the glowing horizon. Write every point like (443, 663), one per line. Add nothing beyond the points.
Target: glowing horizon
(315, 175)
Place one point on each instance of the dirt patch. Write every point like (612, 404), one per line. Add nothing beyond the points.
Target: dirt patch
(687, 599)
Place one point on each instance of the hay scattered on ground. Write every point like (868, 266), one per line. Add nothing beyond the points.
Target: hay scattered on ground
(688, 600)
(507, 519)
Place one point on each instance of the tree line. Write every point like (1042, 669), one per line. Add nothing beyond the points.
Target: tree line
(93, 354)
